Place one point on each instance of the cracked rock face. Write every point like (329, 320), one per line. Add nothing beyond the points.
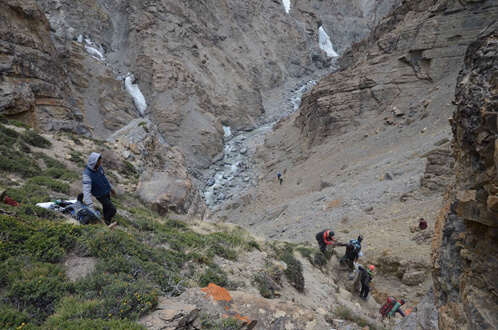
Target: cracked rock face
(412, 50)
(466, 238)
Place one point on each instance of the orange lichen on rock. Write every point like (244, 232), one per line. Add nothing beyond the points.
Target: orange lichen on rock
(218, 293)
(243, 318)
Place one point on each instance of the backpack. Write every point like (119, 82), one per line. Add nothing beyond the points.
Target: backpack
(387, 307)
(85, 216)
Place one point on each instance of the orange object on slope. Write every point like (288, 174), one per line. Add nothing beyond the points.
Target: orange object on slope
(218, 293)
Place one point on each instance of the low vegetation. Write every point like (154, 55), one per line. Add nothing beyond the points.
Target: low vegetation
(146, 257)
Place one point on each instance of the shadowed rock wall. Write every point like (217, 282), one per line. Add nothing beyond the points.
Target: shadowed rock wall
(466, 239)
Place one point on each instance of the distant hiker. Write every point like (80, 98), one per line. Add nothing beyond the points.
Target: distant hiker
(422, 224)
(279, 178)
(325, 238)
(96, 183)
(396, 308)
(365, 275)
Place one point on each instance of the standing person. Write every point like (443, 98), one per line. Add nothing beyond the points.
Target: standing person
(279, 178)
(325, 238)
(422, 224)
(365, 275)
(96, 183)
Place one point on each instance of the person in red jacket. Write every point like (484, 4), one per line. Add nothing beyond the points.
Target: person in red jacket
(325, 238)
(422, 224)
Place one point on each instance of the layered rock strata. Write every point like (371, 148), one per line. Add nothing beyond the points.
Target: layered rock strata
(200, 65)
(34, 87)
(466, 241)
(413, 50)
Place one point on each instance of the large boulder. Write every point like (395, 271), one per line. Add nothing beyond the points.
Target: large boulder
(165, 193)
(164, 184)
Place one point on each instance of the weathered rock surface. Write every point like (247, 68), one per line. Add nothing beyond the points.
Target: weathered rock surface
(164, 183)
(422, 317)
(466, 244)
(254, 311)
(412, 50)
(199, 66)
(34, 86)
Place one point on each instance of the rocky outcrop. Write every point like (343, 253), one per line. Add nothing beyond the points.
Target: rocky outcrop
(164, 184)
(199, 66)
(408, 61)
(438, 171)
(422, 317)
(216, 303)
(465, 243)
(34, 87)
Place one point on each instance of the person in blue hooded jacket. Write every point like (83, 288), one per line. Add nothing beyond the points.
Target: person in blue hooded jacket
(95, 182)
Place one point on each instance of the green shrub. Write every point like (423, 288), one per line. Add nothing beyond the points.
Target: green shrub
(62, 174)
(344, 313)
(315, 256)
(294, 271)
(93, 324)
(128, 169)
(214, 322)
(119, 294)
(34, 287)
(76, 157)
(17, 162)
(23, 147)
(266, 285)
(213, 274)
(35, 139)
(50, 183)
(9, 132)
(44, 240)
(253, 244)
(11, 318)
(18, 123)
(49, 161)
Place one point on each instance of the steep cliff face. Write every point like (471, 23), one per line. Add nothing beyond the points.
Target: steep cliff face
(33, 85)
(466, 240)
(200, 64)
(411, 53)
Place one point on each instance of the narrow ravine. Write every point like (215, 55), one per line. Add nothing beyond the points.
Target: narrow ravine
(234, 173)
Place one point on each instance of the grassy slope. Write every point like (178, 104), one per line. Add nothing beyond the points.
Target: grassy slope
(146, 256)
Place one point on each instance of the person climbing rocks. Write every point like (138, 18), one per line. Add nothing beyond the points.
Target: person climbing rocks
(325, 238)
(422, 224)
(365, 275)
(357, 242)
(95, 183)
(279, 178)
(353, 249)
(397, 309)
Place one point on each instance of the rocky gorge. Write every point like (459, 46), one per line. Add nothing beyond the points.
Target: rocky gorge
(404, 127)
